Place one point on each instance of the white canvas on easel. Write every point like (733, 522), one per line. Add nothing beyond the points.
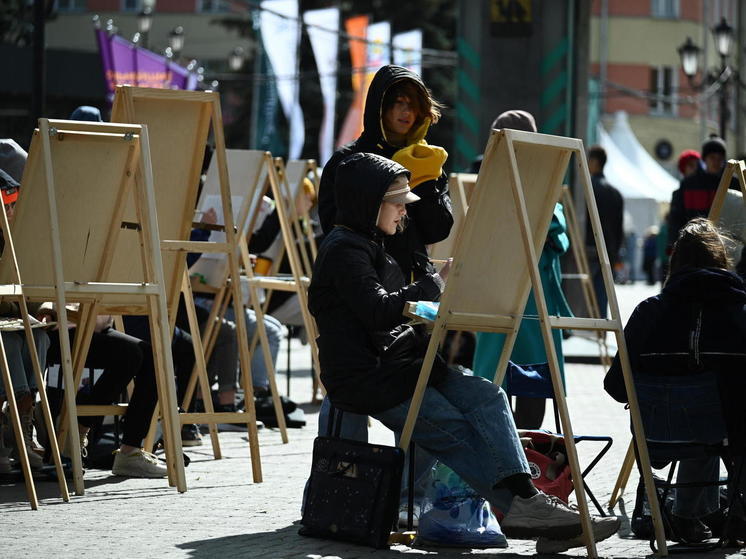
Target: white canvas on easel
(461, 188)
(518, 185)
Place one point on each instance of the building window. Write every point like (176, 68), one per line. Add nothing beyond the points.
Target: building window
(665, 8)
(663, 88)
(131, 5)
(212, 6)
(71, 5)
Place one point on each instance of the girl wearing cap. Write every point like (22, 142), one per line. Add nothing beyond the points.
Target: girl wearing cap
(370, 359)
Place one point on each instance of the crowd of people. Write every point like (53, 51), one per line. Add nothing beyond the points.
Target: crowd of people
(383, 199)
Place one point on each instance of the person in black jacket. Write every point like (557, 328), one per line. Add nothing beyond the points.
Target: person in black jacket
(398, 112)
(611, 213)
(370, 360)
(687, 351)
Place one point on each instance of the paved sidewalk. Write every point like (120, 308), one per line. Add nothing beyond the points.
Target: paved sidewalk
(225, 515)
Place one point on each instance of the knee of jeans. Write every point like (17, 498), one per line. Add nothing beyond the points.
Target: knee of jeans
(12, 341)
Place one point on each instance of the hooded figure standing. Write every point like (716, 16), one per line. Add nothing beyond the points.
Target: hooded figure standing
(398, 112)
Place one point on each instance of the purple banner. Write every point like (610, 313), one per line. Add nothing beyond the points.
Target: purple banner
(125, 63)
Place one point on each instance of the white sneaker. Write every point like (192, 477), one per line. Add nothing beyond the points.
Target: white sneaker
(603, 527)
(541, 515)
(137, 464)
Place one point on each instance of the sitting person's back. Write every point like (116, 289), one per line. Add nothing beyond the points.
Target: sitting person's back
(687, 351)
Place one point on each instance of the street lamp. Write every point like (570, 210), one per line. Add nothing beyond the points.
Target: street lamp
(236, 59)
(722, 35)
(144, 22)
(176, 40)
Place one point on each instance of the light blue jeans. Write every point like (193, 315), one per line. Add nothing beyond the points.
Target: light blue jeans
(19, 360)
(274, 335)
(466, 423)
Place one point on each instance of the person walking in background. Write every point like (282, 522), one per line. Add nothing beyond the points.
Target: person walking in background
(611, 213)
(697, 190)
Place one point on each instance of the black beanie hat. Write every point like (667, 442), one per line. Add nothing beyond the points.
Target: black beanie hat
(713, 145)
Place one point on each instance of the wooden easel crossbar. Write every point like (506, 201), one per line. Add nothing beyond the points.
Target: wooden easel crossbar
(518, 186)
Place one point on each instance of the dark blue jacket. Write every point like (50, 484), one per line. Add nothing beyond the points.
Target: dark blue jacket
(697, 324)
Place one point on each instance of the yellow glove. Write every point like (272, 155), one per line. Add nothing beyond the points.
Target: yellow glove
(418, 134)
(423, 161)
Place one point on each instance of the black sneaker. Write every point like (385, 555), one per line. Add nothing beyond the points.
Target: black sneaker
(689, 530)
(190, 435)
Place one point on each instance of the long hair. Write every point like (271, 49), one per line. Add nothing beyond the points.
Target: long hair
(699, 245)
(427, 105)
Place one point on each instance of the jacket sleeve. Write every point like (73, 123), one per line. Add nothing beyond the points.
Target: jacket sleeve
(358, 285)
(639, 328)
(327, 202)
(432, 215)
(262, 238)
(676, 215)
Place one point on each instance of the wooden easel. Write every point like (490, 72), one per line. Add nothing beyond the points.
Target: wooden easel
(65, 254)
(179, 123)
(461, 188)
(577, 246)
(295, 171)
(247, 170)
(297, 282)
(518, 186)
(14, 292)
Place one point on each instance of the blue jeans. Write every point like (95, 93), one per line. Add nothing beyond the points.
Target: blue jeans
(19, 360)
(466, 423)
(274, 335)
(685, 409)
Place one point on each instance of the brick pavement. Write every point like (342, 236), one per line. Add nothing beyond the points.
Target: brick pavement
(225, 515)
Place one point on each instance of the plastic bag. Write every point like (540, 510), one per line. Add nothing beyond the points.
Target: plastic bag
(453, 515)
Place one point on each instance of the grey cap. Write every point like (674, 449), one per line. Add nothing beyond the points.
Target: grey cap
(12, 158)
(515, 120)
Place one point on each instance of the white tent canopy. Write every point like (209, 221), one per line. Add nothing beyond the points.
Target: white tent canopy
(639, 203)
(658, 181)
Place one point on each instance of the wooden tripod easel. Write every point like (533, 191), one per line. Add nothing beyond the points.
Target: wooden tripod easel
(72, 259)
(179, 123)
(518, 185)
(14, 292)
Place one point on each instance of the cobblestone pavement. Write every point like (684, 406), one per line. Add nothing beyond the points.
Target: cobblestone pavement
(225, 515)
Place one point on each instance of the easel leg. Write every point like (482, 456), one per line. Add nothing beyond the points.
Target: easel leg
(15, 420)
(624, 473)
(46, 411)
(200, 366)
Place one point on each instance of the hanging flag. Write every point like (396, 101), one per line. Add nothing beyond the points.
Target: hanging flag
(408, 50)
(281, 32)
(126, 63)
(356, 28)
(322, 32)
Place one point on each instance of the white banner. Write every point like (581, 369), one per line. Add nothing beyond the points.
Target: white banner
(323, 26)
(280, 36)
(379, 47)
(408, 50)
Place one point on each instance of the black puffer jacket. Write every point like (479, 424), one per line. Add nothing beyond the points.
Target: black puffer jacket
(430, 218)
(357, 297)
(696, 324)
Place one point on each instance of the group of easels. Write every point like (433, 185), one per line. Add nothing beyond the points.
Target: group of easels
(510, 210)
(119, 201)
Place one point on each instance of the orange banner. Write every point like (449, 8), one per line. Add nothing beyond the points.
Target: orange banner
(357, 28)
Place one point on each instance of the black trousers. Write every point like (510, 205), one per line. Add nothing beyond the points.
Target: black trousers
(123, 358)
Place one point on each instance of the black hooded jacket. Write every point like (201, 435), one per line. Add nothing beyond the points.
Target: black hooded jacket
(357, 296)
(430, 218)
(696, 324)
